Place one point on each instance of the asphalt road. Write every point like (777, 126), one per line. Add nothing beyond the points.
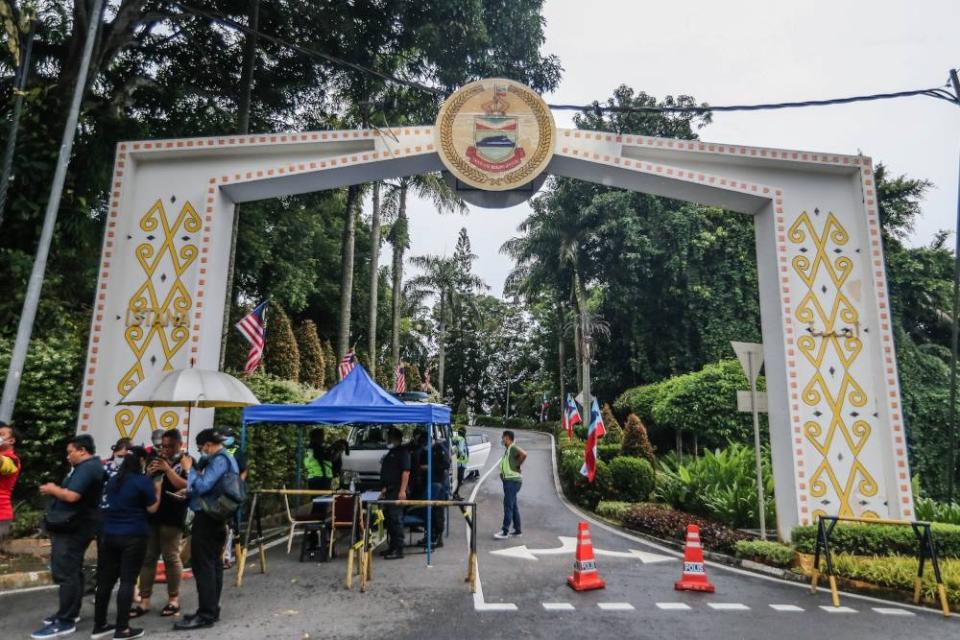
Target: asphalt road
(521, 597)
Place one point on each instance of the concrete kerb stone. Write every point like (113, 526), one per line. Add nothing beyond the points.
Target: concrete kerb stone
(24, 580)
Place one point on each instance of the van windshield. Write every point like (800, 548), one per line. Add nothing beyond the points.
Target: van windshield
(374, 436)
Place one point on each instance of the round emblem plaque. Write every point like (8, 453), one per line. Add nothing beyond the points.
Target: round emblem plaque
(495, 134)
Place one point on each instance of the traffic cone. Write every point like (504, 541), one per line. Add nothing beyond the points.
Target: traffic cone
(694, 578)
(585, 576)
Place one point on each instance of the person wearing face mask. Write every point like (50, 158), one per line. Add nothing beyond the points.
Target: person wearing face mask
(10, 468)
(111, 465)
(71, 519)
(394, 476)
(209, 533)
(232, 445)
(130, 495)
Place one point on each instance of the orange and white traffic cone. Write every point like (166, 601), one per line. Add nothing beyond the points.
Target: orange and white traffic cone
(585, 576)
(694, 577)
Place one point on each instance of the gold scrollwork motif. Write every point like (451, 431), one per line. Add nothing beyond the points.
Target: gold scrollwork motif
(163, 263)
(831, 347)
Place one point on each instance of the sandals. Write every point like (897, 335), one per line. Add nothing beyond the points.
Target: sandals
(169, 610)
(138, 612)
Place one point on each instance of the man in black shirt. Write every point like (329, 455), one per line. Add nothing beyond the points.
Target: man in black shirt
(438, 487)
(72, 520)
(166, 526)
(394, 476)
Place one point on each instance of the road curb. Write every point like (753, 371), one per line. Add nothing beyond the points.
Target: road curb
(24, 580)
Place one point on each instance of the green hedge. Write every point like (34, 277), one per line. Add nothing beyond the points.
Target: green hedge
(613, 509)
(879, 540)
(900, 572)
(633, 478)
(771, 553)
(608, 452)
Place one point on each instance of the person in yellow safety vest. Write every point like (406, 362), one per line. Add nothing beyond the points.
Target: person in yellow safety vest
(510, 463)
(463, 456)
(318, 462)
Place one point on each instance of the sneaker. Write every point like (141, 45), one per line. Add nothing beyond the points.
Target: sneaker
(501, 535)
(516, 534)
(54, 630)
(102, 631)
(128, 634)
(53, 618)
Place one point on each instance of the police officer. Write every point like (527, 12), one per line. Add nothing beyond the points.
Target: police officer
(318, 463)
(394, 476)
(463, 457)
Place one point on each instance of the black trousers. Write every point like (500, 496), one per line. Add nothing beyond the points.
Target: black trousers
(320, 484)
(118, 557)
(66, 567)
(394, 518)
(206, 549)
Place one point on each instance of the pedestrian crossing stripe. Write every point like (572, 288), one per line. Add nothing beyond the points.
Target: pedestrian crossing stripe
(783, 608)
(892, 611)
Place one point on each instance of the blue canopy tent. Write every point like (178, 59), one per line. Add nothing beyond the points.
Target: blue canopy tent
(356, 399)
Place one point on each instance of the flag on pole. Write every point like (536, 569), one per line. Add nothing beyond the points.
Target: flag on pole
(544, 407)
(594, 433)
(571, 415)
(253, 327)
(400, 377)
(347, 364)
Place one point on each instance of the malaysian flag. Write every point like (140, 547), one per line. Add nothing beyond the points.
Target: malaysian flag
(253, 326)
(401, 379)
(347, 364)
(595, 432)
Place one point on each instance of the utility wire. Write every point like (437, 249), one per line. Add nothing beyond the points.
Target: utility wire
(932, 92)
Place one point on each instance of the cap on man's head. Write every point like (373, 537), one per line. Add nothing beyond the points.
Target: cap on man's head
(210, 436)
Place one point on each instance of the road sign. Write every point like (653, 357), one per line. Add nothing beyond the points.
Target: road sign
(747, 351)
(744, 405)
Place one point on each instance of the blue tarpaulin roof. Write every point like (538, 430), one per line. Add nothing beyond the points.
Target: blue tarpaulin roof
(356, 399)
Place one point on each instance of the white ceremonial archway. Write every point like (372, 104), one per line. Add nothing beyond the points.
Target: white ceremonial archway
(837, 430)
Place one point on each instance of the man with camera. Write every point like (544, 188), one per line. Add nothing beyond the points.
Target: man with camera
(166, 525)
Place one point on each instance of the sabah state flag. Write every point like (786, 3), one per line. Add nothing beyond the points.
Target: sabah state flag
(595, 432)
(571, 415)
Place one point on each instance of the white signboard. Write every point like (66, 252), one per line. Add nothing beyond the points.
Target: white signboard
(743, 401)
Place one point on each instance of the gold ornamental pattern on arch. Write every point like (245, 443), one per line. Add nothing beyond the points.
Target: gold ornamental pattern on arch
(495, 134)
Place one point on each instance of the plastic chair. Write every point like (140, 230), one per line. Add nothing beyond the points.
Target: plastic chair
(297, 520)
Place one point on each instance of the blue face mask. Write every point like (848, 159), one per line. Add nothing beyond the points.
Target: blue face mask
(229, 441)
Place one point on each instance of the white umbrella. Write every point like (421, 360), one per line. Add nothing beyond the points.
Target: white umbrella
(200, 388)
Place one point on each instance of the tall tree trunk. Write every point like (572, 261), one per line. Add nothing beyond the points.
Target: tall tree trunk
(561, 357)
(243, 126)
(399, 244)
(443, 345)
(585, 335)
(578, 383)
(374, 279)
(346, 269)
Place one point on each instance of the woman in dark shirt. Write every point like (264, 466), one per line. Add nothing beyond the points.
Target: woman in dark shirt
(128, 498)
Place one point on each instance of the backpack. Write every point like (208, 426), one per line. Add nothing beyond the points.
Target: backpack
(227, 496)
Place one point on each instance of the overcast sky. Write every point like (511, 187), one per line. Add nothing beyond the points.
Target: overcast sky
(750, 51)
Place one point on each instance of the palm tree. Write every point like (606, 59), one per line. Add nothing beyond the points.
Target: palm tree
(430, 186)
(374, 279)
(443, 276)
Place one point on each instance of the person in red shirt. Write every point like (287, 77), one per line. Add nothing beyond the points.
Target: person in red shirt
(9, 472)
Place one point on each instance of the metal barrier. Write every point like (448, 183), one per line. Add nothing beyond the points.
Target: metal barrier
(926, 549)
(254, 518)
(366, 548)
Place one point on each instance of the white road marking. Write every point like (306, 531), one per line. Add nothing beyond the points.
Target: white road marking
(786, 607)
(615, 606)
(673, 606)
(679, 554)
(479, 604)
(830, 609)
(728, 606)
(568, 545)
(557, 606)
(893, 611)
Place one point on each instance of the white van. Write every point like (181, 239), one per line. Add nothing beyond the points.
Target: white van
(368, 445)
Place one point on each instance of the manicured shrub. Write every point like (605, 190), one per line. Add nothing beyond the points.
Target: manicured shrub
(608, 452)
(576, 486)
(633, 478)
(312, 364)
(636, 442)
(613, 510)
(281, 356)
(765, 551)
(900, 572)
(878, 540)
(614, 431)
(670, 524)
